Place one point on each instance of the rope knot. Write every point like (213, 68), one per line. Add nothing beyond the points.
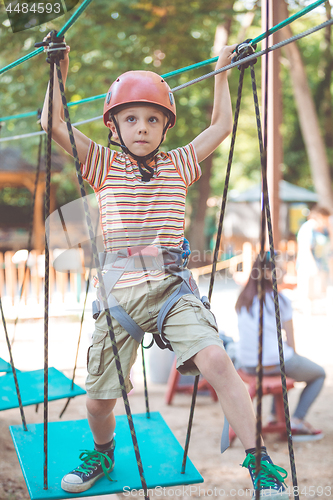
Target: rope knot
(54, 46)
(243, 50)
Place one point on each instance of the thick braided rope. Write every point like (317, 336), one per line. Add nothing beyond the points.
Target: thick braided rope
(101, 284)
(190, 423)
(275, 291)
(217, 246)
(47, 272)
(13, 368)
(145, 381)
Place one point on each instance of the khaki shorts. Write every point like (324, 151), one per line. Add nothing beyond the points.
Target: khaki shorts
(189, 327)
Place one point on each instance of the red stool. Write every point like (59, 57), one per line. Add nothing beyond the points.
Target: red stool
(174, 386)
(270, 385)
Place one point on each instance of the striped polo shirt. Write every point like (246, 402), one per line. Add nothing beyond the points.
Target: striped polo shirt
(136, 213)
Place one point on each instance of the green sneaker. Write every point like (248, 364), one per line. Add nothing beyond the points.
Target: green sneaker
(272, 478)
(94, 466)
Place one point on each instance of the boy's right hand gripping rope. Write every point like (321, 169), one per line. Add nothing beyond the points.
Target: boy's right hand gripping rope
(54, 46)
(243, 50)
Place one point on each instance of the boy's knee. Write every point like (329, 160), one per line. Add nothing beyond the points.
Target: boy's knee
(100, 407)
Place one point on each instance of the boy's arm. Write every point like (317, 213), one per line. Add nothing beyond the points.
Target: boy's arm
(221, 122)
(59, 127)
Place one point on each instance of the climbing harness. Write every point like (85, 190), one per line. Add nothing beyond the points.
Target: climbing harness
(150, 258)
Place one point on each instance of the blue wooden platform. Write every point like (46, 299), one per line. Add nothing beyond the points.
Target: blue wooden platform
(4, 366)
(31, 385)
(160, 452)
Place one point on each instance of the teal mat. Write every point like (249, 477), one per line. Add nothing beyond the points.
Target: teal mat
(160, 451)
(31, 385)
(4, 366)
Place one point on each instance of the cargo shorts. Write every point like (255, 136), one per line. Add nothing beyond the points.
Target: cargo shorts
(189, 327)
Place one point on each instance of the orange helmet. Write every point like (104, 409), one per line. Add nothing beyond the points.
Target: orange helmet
(140, 86)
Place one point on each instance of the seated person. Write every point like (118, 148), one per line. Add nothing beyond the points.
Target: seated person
(297, 367)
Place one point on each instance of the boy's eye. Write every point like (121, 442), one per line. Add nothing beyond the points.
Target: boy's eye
(131, 119)
(153, 119)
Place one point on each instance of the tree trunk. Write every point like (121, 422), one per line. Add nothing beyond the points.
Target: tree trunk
(309, 122)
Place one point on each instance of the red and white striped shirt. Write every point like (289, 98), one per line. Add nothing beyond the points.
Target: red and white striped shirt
(135, 213)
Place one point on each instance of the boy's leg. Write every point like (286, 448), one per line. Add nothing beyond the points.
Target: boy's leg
(101, 419)
(193, 333)
(217, 368)
(100, 461)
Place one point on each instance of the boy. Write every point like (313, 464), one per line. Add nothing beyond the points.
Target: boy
(141, 197)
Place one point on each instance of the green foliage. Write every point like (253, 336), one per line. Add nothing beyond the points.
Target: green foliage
(159, 35)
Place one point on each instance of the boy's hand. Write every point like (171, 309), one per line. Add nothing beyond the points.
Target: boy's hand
(225, 56)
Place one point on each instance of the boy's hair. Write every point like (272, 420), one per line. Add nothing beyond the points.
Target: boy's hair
(139, 87)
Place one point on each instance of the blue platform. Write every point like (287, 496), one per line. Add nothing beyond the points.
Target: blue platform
(4, 366)
(160, 451)
(31, 385)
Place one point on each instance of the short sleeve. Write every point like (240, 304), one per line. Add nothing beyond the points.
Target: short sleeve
(97, 165)
(186, 162)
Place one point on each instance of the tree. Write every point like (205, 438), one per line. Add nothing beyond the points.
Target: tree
(308, 120)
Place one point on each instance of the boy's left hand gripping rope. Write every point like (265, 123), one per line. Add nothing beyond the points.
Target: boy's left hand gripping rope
(54, 46)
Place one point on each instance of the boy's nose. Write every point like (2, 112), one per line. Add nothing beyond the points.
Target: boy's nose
(142, 128)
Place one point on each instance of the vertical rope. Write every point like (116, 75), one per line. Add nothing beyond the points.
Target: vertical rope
(275, 294)
(216, 251)
(13, 369)
(101, 286)
(145, 381)
(47, 273)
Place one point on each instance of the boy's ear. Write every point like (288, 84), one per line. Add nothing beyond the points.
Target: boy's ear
(113, 129)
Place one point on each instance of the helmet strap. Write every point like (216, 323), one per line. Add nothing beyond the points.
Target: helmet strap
(148, 173)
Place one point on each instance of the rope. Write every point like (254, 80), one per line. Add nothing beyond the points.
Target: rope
(266, 206)
(217, 247)
(101, 285)
(212, 60)
(255, 55)
(187, 84)
(81, 325)
(145, 381)
(13, 369)
(35, 134)
(63, 30)
(47, 268)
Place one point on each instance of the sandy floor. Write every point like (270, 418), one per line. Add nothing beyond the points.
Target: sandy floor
(314, 461)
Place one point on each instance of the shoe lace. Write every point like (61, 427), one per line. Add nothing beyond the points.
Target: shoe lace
(269, 473)
(91, 459)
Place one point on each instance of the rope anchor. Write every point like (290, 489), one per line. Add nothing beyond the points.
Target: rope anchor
(243, 50)
(54, 46)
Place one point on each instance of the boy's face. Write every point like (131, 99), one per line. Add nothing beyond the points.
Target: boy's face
(141, 128)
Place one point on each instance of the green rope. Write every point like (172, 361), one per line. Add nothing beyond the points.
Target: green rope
(63, 30)
(287, 21)
(166, 75)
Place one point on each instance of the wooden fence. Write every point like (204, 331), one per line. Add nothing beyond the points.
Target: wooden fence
(14, 271)
(73, 282)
